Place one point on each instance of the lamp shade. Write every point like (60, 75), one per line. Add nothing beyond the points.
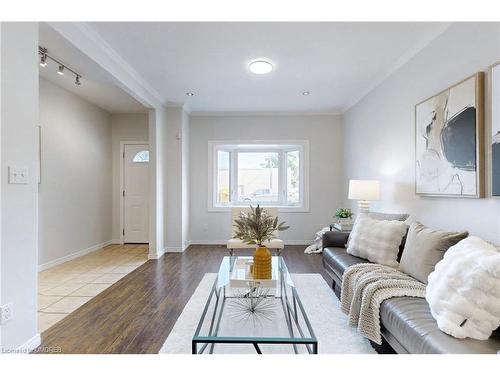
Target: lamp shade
(364, 190)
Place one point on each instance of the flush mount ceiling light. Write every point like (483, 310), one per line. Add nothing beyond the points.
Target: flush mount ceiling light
(189, 94)
(305, 93)
(260, 66)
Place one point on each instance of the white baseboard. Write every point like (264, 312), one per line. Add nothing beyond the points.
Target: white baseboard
(299, 242)
(116, 241)
(55, 262)
(174, 249)
(30, 345)
(156, 255)
(224, 242)
(207, 242)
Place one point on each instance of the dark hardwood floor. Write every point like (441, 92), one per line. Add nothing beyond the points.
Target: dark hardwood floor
(136, 314)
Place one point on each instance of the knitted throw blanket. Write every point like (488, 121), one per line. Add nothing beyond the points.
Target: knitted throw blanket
(365, 286)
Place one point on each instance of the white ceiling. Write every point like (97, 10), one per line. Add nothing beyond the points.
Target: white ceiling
(97, 87)
(337, 62)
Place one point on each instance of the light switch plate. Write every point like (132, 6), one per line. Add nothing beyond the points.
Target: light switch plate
(18, 175)
(6, 313)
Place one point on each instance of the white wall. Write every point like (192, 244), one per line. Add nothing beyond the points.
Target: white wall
(175, 169)
(379, 131)
(19, 118)
(124, 127)
(75, 193)
(185, 179)
(1, 177)
(324, 134)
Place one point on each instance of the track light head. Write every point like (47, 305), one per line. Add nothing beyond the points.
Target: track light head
(77, 81)
(43, 60)
(61, 70)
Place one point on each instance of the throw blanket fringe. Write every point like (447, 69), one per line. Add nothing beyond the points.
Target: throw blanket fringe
(317, 247)
(365, 286)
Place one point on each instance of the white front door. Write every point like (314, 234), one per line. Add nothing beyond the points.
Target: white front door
(136, 193)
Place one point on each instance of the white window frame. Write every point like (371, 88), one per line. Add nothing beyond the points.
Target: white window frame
(259, 146)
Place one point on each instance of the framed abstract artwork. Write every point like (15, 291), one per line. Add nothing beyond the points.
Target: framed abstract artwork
(449, 141)
(494, 139)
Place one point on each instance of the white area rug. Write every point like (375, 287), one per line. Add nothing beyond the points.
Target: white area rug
(321, 305)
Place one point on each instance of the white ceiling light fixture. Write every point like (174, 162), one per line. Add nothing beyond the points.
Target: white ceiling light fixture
(260, 66)
(305, 93)
(190, 94)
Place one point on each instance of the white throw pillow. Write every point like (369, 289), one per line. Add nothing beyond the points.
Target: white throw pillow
(376, 240)
(464, 290)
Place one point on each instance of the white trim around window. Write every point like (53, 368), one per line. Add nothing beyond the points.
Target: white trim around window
(234, 147)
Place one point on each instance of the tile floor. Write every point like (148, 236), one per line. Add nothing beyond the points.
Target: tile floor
(66, 287)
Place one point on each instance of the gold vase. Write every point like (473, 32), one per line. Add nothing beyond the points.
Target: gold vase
(262, 264)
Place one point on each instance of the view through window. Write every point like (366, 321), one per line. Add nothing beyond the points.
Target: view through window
(258, 174)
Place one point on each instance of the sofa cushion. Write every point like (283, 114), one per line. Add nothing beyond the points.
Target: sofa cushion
(424, 248)
(376, 240)
(410, 321)
(338, 260)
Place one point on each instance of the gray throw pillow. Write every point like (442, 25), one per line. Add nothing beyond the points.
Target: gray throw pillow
(424, 248)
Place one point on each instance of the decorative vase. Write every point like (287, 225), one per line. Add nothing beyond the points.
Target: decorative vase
(262, 264)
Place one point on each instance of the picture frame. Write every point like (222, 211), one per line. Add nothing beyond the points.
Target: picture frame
(493, 141)
(449, 141)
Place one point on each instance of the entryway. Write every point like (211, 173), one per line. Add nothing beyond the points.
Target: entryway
(64, 288)
(93, 179)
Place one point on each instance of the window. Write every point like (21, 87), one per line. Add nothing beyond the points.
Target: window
(141, 157)
(258, 173)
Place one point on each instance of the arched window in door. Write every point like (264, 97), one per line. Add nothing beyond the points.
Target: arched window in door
(141, 157)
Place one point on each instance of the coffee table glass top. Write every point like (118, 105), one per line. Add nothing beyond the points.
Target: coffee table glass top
(243, 315)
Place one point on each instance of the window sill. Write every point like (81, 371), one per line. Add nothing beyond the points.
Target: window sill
(280, 208)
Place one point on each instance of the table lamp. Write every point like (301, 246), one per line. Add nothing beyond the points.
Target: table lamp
(364, 191)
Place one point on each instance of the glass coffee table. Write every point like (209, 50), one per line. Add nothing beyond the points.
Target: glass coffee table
(243, 315)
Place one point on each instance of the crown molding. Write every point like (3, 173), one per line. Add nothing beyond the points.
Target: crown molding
(400, 62)
(87, 40)
(261, 113)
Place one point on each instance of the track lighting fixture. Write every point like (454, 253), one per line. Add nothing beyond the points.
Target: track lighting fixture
(44, 59)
